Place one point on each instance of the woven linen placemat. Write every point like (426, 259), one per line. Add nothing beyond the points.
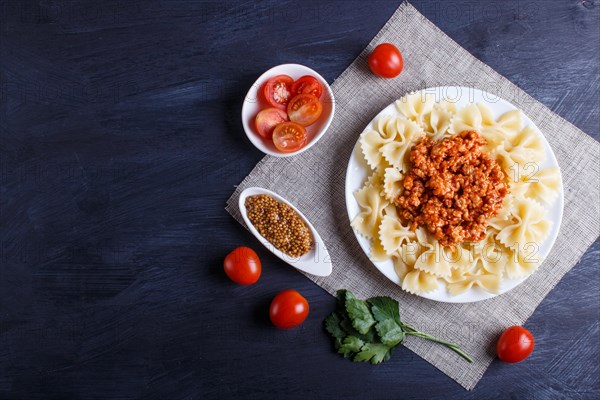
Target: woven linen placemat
(314, 182)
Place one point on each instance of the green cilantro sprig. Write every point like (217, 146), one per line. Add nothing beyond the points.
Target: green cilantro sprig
(369, 330)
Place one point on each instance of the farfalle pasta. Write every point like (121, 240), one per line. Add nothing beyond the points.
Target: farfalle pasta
(392, 234)
(529, 224)
(513, 234)
(416, 106)
(371, 204)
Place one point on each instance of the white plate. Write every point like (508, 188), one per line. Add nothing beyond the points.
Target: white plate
(254, 102)
(358, 171)
(315, 262)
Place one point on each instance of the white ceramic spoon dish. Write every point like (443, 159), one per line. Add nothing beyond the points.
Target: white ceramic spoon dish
(315, 262)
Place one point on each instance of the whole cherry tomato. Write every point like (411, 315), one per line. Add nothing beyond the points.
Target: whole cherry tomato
(515, 344)
(386, 61)
(242, 266)
(288, 309)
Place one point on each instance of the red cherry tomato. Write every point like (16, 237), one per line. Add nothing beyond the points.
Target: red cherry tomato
(307, 85)
(515, 344)
(386, 61)
(267, 119)
(242, 266)
(304, 109)
(288, 309)
(289, 137)
(278, 91)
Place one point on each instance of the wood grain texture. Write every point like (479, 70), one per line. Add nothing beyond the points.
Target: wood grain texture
(121, 141)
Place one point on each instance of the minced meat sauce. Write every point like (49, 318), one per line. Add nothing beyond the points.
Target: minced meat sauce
(453, 188)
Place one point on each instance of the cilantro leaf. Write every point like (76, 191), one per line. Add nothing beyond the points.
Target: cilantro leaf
(350, 345)
(385, 308)
(346, 325)
(359, 313)
(341, 296)
(332, 325)
(390, 332)
(369, 330)
(373, 352)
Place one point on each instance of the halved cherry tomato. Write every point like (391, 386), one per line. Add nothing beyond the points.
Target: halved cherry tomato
(289, 137)
(307, 85)
(243, 266)
(304, 109)
(288, 309)
(278, 91)
(267, 119)
(515, 344)
(386, 61)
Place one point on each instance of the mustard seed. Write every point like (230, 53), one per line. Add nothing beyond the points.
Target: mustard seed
(279, 224)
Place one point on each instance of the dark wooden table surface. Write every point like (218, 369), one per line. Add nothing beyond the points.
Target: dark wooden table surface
(121, 141)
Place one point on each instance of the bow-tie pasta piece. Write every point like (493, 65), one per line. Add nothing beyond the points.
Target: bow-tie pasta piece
(392, 183)
(479, 117)
(393, 234)
(510, 123)
(486, 281)
(397, 152)
(460, 257)
(416, 106)
(490, 255)
(529, 224)
(371, 211)
(404, 259)
(418, 282)
(474, 117)
(438, 120)
(375, 179)
(504, 216)
(387, 126)
(543, 186)
(413, 280)
(371, 141)
(527, 146)
(521, 154)
(434, 258)
(378, 250)
(523, 261)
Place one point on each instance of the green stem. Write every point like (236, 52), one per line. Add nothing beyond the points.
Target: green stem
(452, 346)
(406, 328)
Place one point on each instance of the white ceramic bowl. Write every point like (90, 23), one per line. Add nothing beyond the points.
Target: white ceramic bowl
(316, 261)
(254, 102)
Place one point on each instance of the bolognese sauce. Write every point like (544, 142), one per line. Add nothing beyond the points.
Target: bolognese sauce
(452, 188)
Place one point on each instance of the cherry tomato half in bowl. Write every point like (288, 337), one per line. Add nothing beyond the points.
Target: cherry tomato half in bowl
(515, 344)
(386, 61)
(289, 137)
(288, 309)
(304, 109)
(278, 91)
(243, 266)
(307, 85)
(266, 121)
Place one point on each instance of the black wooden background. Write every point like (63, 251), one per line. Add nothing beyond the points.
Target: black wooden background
(120, 143)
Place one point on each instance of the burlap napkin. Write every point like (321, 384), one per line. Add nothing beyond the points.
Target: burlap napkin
(314, 182)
